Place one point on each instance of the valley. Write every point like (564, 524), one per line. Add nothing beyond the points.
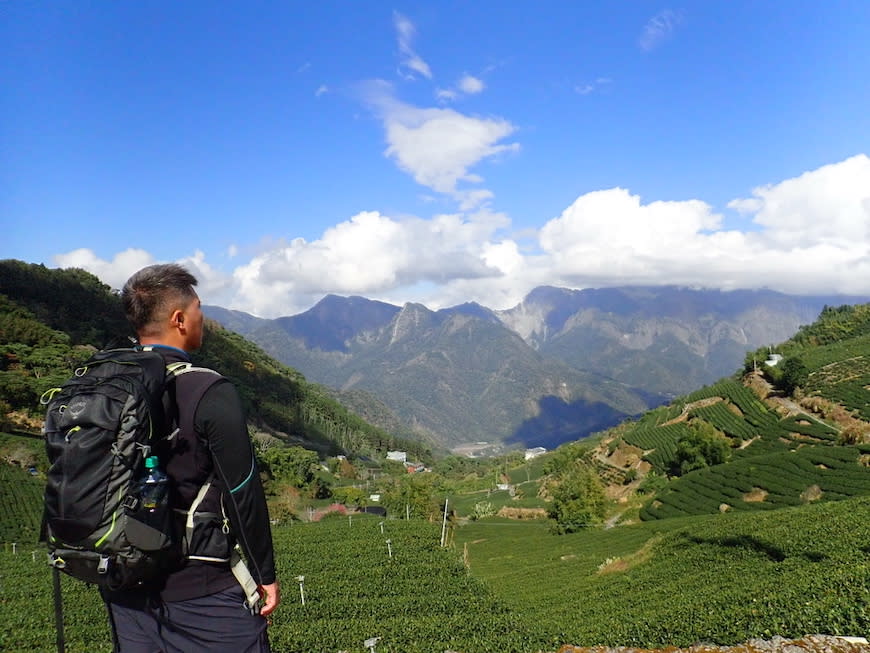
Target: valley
(561, 365)
(729, 518)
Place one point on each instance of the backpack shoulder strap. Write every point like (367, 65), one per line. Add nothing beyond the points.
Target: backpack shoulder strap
(177, 369)
(193, 382)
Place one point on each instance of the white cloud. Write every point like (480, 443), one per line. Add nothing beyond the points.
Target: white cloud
(370, 254)
(446, 94)
(611, 235)
(471, 199)
(322, 89)
(813, 237)
(587, 88)
(212, 283)
(470, 85)
(830, 205)
(113, 273)
(810, 234)
(438, 146)
(410, 59)
(659, 28)
(467, 85)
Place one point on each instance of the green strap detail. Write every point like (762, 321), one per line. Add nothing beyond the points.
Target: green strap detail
(48, 395)
(111, 528)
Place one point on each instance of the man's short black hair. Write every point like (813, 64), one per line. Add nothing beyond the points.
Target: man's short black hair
(154, 292)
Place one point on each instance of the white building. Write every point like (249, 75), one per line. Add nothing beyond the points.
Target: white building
(534, 453)
(399, 456)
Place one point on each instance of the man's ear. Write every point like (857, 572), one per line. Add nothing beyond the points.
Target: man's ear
(177, 318)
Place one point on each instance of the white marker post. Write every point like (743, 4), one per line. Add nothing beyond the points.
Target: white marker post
(301, 580)
(444, 523)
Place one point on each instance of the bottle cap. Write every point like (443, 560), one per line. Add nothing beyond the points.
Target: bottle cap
(151, 462)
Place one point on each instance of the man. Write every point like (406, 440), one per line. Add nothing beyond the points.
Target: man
(200, 606)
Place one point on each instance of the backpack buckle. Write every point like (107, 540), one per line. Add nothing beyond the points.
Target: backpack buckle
(130, 503)
(103, 566)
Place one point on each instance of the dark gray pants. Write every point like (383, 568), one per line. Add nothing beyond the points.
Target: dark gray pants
(218, 623)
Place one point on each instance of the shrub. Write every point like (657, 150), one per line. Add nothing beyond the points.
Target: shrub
(701, 447)
(482, 509)
(652, 484)
(578, 500)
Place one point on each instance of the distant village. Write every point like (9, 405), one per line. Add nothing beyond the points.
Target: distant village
(413, 467)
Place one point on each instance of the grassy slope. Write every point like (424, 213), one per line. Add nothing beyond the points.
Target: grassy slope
(723, 578)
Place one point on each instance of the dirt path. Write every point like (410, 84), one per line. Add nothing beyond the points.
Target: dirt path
(709, 401)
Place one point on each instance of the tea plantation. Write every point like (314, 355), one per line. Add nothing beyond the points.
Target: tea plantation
(775, 462)
(19, 493)
(722, 578)
(360, 579)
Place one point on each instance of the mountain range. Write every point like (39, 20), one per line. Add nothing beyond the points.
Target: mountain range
(560, 365)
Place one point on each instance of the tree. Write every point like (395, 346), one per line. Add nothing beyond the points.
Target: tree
(701, 447)
(5, 409)
(347, 470)
(754, 359)
(319, 488)
(292, 465)
(578, 499)
(564, 458)
(794, 374)
(18, 389)
(417, 495)
(349, 495)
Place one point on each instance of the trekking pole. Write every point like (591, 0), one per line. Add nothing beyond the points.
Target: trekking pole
(58, 610)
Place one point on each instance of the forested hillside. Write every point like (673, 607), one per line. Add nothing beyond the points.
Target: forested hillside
(50, 321)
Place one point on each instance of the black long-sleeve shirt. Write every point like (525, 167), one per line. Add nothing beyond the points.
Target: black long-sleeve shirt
(214, 439)
(220, 419)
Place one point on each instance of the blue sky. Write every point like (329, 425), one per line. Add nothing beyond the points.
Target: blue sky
(438, 152)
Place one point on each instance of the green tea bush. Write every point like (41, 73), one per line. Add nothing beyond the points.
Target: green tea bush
(723, 578)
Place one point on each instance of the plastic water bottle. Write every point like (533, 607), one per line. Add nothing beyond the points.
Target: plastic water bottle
(155, 485)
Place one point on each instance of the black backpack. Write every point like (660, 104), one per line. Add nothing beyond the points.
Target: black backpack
(99, 428)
